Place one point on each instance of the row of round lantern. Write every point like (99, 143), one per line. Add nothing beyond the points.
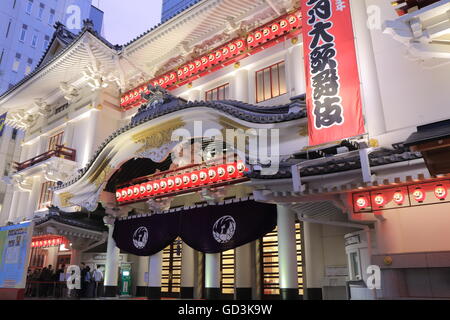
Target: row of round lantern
(220, 55)
(48, 242)
(182, 181)
(273, 31)
(418, 194)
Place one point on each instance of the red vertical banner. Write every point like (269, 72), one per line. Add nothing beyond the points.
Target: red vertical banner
(332, 80)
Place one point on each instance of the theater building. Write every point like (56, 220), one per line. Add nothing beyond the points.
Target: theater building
(184, 159)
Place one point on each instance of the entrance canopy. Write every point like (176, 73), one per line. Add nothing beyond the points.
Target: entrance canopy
(205, 228)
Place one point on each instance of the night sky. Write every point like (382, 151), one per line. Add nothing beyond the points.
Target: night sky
(124, 20)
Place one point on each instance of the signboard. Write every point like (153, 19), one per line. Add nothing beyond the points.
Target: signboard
(2, 123)
(14, 250)
(332, 81)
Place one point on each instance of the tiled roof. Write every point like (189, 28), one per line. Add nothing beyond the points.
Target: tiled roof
(93, 221)
(429, 132)
(376, 158)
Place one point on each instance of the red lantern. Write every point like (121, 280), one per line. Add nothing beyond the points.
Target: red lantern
(251, 41)
(170, 184)
(135, 192)
(205, 62)
(163, 185)
(258, 37)
(267, 34)
(186, 71)
(198, 65)
(203, 175)
(118, 195)
(222, 172)
(226, 52)
(129, 193)
(240, 44)
(240, 166)
(231, 170)
(156, 187)
(398, 197)
(212, 58)
(180, 73)
(212, 174)
(440, 192)
(219, 57)
(124, 194)
(186, 180)
(178, 182)
(161, 82)
(173, 77)
(195, 178)
(41, 243)
(294, 21)
(284, 25)
(191, 68)
(362, 202)
(149, 189)
(233, 49)
(379, 200)
(419, 194)
(275, 30)
(142, 190)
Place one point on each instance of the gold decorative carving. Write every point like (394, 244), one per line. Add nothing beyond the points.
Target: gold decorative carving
(100, 177)
(64, 199)
(156, 137)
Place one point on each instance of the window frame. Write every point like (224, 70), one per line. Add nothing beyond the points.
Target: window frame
(270, 68)
(29, 7)
(46, 196)
(216, 91)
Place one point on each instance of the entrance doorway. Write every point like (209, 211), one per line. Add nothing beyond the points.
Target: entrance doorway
(171, 270)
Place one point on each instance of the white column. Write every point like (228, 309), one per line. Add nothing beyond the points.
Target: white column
(75, 256)
(287, 253)
(141, 284)
(244, 270)
(187, 272)
(295, 68)
(112, 264)
(212, 276)
(68, 135)
(314, 260)
(371, 96)
(240, 86)
(154, 276)
(33, 199)
(90, 137)
(14, 206)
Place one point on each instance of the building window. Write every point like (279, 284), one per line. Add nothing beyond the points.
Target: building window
(171, 268)
(46, 197)
(227, 263)
(51, 17)
(61, 108)
(34, 40)
(269, 261)
(219, 93)
(29, 67)
(46, 42)
(23, 33)
(41, 11)
(29, 7)
(14, 134)
(1, 56)
(8, 28)
(55, 140)
(16, 63)
(271, 82)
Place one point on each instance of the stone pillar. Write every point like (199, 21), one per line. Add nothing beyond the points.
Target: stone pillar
(112, 265)
(75, 256)
(212, 276)
(244, 270)
(371, 95)
(187, 272)
(90, 137)
(240, 86)
(142, 269)
(295, 68)
(287, 253)
(314, 260)
(154, 276)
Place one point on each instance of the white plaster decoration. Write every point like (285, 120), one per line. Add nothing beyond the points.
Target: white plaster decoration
(158, 154)
(44, 109)
(213, 196)
(89, 202)
(159, 205)
(71, 93)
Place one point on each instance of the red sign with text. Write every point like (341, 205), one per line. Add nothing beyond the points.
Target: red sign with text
(332, 80)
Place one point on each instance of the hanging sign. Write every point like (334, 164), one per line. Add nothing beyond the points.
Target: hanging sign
(332, 80)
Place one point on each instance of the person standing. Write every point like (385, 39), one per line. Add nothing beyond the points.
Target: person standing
(82, 291)
(98, 279)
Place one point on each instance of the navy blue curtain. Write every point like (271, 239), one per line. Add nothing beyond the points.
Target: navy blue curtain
(209, 229)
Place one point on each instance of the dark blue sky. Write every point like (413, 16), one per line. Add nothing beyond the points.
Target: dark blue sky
(126, 19)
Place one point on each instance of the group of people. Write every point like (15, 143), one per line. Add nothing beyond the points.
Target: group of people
(47, 282)
(43, 282)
